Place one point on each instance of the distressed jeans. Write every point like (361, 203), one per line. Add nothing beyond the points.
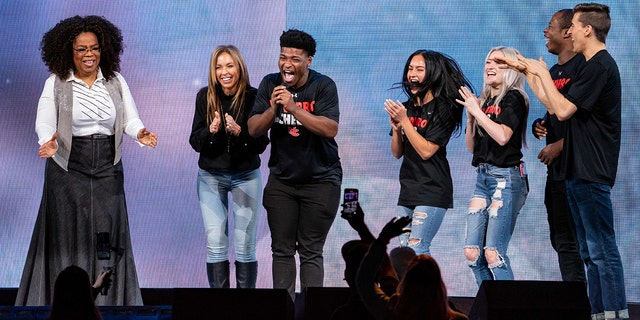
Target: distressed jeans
(246, 193)
(593, 216)
(424, 226)
(489, 227)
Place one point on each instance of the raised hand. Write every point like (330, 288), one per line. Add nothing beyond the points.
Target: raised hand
(470, 102)
(396, 110)
(394, 228)
(355, 219)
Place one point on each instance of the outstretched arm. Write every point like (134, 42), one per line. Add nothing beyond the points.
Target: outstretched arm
(541, 83)
(375, 300)
(356, 221)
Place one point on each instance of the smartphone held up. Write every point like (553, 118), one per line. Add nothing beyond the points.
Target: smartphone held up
(350, 202)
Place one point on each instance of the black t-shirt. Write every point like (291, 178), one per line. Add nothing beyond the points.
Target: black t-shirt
(562, 76)
(222, 151)
(511, 112)
(428, 182)
(297, 154)
(592, 144)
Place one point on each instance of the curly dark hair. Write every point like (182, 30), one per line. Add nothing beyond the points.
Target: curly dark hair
(57, 45)
(294, 38)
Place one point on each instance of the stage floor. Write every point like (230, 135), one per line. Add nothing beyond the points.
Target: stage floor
(158, 305)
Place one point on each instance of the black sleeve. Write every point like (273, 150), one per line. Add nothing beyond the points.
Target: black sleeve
(244, 143)
(327, 103)
(442, 125)
(201, 139)
(513, 110)
(586, 90)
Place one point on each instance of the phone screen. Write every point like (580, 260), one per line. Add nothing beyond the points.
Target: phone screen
(103, 246)
(350, 200)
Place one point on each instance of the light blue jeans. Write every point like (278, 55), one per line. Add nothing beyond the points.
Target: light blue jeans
(490, 225)
(592, 212)
(424, 226)
(246, 193)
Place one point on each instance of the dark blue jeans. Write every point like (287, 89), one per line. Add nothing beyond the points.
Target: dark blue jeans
(563, 232)
(593, 215)
(299, 217)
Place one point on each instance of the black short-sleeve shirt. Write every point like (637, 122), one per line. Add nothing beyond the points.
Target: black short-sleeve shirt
(563, 76)
(511, 112)
(428, 182)
(297, 154)
(592, 144)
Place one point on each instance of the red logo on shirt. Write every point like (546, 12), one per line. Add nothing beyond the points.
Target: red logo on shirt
(496, 110)
(560, 83)
(293, 131)
(418, 122)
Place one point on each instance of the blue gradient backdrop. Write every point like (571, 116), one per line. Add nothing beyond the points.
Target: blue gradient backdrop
(362, 45)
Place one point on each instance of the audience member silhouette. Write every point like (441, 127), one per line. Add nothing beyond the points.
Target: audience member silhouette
(421, 294)
(352, 252)
(73, 296)
(400, 259)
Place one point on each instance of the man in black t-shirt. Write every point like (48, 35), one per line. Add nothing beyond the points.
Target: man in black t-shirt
(592, 111)
(561, 226)
(300, 108)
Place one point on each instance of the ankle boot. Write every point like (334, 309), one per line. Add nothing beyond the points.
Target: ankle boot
(218, 274)
(246, 274)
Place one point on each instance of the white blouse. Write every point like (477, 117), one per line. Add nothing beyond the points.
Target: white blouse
(93, 109)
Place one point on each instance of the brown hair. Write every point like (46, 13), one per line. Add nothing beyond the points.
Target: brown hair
(595, 15)
(422, 294)
(213, 99)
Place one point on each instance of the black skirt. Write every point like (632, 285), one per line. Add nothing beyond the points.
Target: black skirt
(76, 205)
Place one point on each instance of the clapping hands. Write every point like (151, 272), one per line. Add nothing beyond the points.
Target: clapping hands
(232, 127)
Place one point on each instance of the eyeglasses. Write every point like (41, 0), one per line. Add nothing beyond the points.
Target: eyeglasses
(83, 51)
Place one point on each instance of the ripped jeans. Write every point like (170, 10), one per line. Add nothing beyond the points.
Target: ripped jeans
(499, 195)
(425, 225)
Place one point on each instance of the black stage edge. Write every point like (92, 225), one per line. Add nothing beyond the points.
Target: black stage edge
(551, 300)
(315, 303)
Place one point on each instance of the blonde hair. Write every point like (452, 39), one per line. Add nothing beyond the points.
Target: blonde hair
(213, 99)
(512, 80)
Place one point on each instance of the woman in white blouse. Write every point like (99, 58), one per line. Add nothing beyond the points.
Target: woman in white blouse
(83, 111)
